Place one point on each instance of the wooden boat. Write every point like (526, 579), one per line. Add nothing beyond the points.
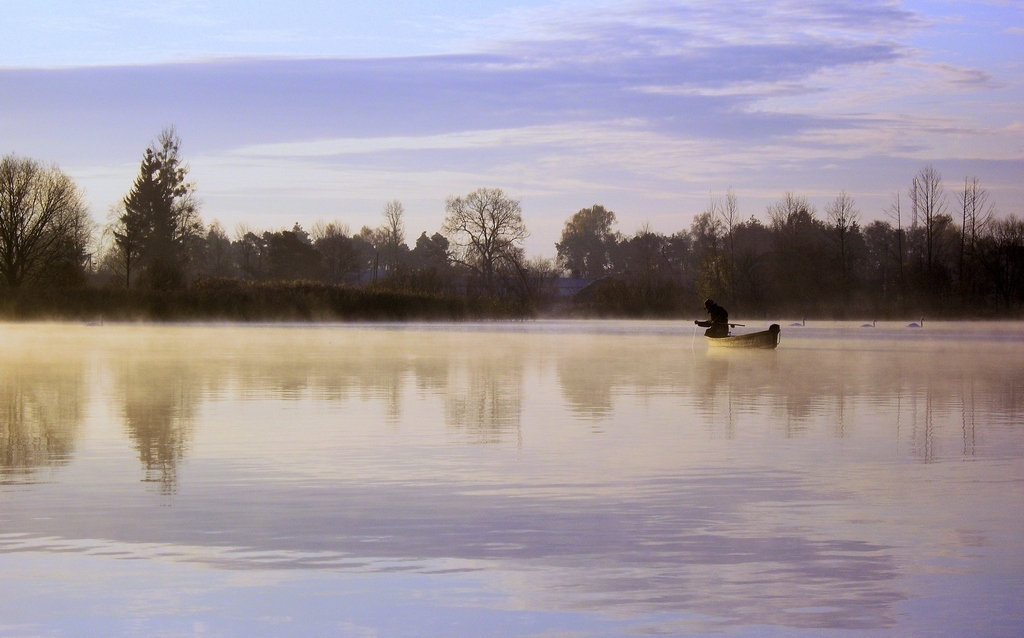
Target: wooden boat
(766, 339)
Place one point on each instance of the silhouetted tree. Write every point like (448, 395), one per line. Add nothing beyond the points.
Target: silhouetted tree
(797, 253)
(426, 268)
(44, 225)
(678, 253)
(393, 234)
(290, 255)
(642, 260)
(880, 270)
(250, 253)
(928, 221)
(217, 253)
(975, 214)
(339, 258)
(895, 213)
(431, 252)
(709, 253)
(587, 241)
(752, 243)
(844, 232)
(486, 231)
(729, 213)
(160, 220)
(1002, 253)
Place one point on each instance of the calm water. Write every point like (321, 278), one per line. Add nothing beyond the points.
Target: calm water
(534, 479)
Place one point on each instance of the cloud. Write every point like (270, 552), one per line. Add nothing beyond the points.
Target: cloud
(671, 76)
(649, 99)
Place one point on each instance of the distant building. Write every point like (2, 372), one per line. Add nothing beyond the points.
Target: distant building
(569, 286)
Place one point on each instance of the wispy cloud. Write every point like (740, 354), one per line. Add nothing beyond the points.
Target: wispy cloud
(645, 98)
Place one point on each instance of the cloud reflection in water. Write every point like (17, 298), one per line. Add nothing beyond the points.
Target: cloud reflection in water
(777, 488)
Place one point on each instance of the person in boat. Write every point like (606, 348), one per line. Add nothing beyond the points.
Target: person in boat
(718, 324)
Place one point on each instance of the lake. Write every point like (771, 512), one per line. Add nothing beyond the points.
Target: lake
(510, 479)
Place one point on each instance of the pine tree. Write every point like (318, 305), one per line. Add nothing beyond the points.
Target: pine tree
(159, 224)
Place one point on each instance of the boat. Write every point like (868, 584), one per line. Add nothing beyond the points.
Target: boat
(766, 339)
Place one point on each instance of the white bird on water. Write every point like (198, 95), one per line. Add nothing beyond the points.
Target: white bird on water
(868, 325)
(916, 325)
(803, 322)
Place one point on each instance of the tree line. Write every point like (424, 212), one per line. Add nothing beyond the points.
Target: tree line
(942, 254)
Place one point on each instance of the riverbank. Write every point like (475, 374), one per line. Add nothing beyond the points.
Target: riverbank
(302, 301)
(233, 300)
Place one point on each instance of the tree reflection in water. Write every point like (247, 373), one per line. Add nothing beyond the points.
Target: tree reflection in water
(484, 398)
(40, 412)
(160, 401)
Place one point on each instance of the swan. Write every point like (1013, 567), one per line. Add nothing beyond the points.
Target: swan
(868, 325)
(803, 322)
(916, 325)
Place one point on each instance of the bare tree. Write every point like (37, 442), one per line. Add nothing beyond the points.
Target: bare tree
(323, 229)
(729, 212)
(928, 202)
(486, 231)
(843, 221)
(895, 212)
(393, 232)
(44, 223)
(976, 213)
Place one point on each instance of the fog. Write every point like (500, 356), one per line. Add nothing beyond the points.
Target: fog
(853, 478)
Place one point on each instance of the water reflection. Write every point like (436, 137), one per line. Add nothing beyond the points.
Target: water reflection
(483, 398)
(159, 400)
(806, 487)
(41, 406)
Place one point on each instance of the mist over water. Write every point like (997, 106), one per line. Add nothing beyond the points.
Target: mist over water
(603, 478)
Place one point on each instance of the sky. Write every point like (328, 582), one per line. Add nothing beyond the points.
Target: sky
(306, 110)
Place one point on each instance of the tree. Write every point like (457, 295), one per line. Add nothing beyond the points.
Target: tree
(928, 212)
(217, 261)
(843, 229)
(290, 255)
(486, 230)
(648, 268)
(729, 212)
(431, 252)
(1006, 259)
(124, 255)
(339, 257)
(250, 252)
(880, 272)
(393, 233)
(708, 235)
(895, 212)
(797, 251)
(587, 241)
(44, 224)
(976, 213)
(160, 220)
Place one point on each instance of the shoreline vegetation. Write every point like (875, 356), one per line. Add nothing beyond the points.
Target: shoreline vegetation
(936, 254)
(231, 300)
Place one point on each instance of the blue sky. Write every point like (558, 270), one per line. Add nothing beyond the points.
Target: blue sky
(305, 110)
